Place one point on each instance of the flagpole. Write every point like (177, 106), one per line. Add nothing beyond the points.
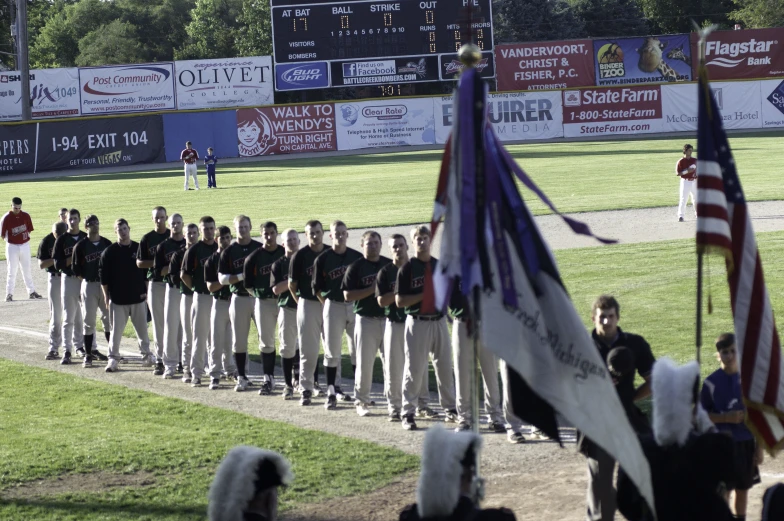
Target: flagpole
(703, 32)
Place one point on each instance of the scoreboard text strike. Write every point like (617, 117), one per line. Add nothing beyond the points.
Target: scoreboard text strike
(316, 30)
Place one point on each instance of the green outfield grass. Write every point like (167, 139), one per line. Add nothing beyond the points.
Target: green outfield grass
(72, 426)
(388, 189)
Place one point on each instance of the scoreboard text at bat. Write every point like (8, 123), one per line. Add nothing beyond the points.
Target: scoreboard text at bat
(311, 30)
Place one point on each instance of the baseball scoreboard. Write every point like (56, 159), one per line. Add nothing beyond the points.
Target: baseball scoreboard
(375, 41)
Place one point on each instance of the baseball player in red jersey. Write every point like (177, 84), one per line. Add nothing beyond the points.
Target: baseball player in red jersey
(686, 169)
(54, 288)
(15, 228)
(156, 291)
(189, 156)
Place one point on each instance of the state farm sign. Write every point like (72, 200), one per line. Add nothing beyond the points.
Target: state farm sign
(613, 110)
(745, 54)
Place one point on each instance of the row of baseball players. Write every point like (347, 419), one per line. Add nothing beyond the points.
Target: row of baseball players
(203, 288)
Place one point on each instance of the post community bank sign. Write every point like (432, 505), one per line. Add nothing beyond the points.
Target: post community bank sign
(128, 88)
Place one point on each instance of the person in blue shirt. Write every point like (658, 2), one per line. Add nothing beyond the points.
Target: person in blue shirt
(210, 161)
(721, 397)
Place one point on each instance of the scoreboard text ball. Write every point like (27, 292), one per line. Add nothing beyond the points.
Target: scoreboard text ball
(316, 30)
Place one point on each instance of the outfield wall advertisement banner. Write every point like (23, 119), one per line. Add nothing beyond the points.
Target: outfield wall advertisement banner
(100, 143)
(772, 96)
(389, 70)
(451, 66)
(301, 76)
(224, 83)
(17, 149)
(739, 102)
(744, 54)
(127, 88)
(654, 59)
(288, 129)
(515, 116)
(616, 110)
(53, 93)
(382, 123)
(544, 65)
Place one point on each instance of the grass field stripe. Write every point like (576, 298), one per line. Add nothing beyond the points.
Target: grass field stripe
(38, 334)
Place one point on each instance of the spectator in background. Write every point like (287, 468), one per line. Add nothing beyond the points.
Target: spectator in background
(210, 161)
(15, 229)
(246, 485)
(721, 397)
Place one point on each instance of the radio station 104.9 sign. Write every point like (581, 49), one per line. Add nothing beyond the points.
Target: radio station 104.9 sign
(316, 30)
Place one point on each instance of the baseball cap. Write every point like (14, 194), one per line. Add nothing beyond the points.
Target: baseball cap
(90, 220)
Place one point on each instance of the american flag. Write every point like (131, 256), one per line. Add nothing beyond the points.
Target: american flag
(724, 226)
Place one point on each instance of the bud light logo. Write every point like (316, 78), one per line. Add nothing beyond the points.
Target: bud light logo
(301, 76)
(776, 97)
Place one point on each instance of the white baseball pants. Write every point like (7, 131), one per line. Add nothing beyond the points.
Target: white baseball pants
(423, 337)
(172, 330)
(240, 313)
(287, 332)
(55, 292)
(18, 255)
(92, 302)
(369, 339)
(191, 171)
(394, 365)
(266, 316)
(310, 320)
(186, 326)
(463, 349)
(72, 313)
(202, 327)
(120, 315)
(513, 423)
(220, 356)
(688, 188)
(156, 300)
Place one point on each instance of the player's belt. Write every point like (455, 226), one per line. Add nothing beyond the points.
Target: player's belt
(372, 318)
(221, 297)
(427, 318)
(54, 274)
(92, 280)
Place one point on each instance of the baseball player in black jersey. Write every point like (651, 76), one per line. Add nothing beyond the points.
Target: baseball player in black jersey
(359, 287)
(328, 270)
(186, 301)
(54, 287)
(395, 332)
(256, 272)
(71, 286)
(220, 356)
(86, 257)
(424, 334)
(172, 330)
(192, 275)
(230, 273)
(156, 292)
(310, 318)
(125, 293)
(287, 314)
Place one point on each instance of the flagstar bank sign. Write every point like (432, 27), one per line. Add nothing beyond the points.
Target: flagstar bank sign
(223, 83)
(129, 88)
(515, 116)
(746, 54)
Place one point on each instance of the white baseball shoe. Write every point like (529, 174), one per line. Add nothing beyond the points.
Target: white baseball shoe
(363, 410)
(111, 367)
(242, 384)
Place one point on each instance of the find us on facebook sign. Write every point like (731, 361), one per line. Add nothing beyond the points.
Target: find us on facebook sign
(301, 76)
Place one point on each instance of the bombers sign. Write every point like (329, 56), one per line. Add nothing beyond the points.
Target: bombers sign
(544, 65)
(744, 54)
(224, 83)
(127, 88)
(286, 129)
(618, 110)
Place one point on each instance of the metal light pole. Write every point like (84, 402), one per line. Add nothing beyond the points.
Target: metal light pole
(23, 62)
